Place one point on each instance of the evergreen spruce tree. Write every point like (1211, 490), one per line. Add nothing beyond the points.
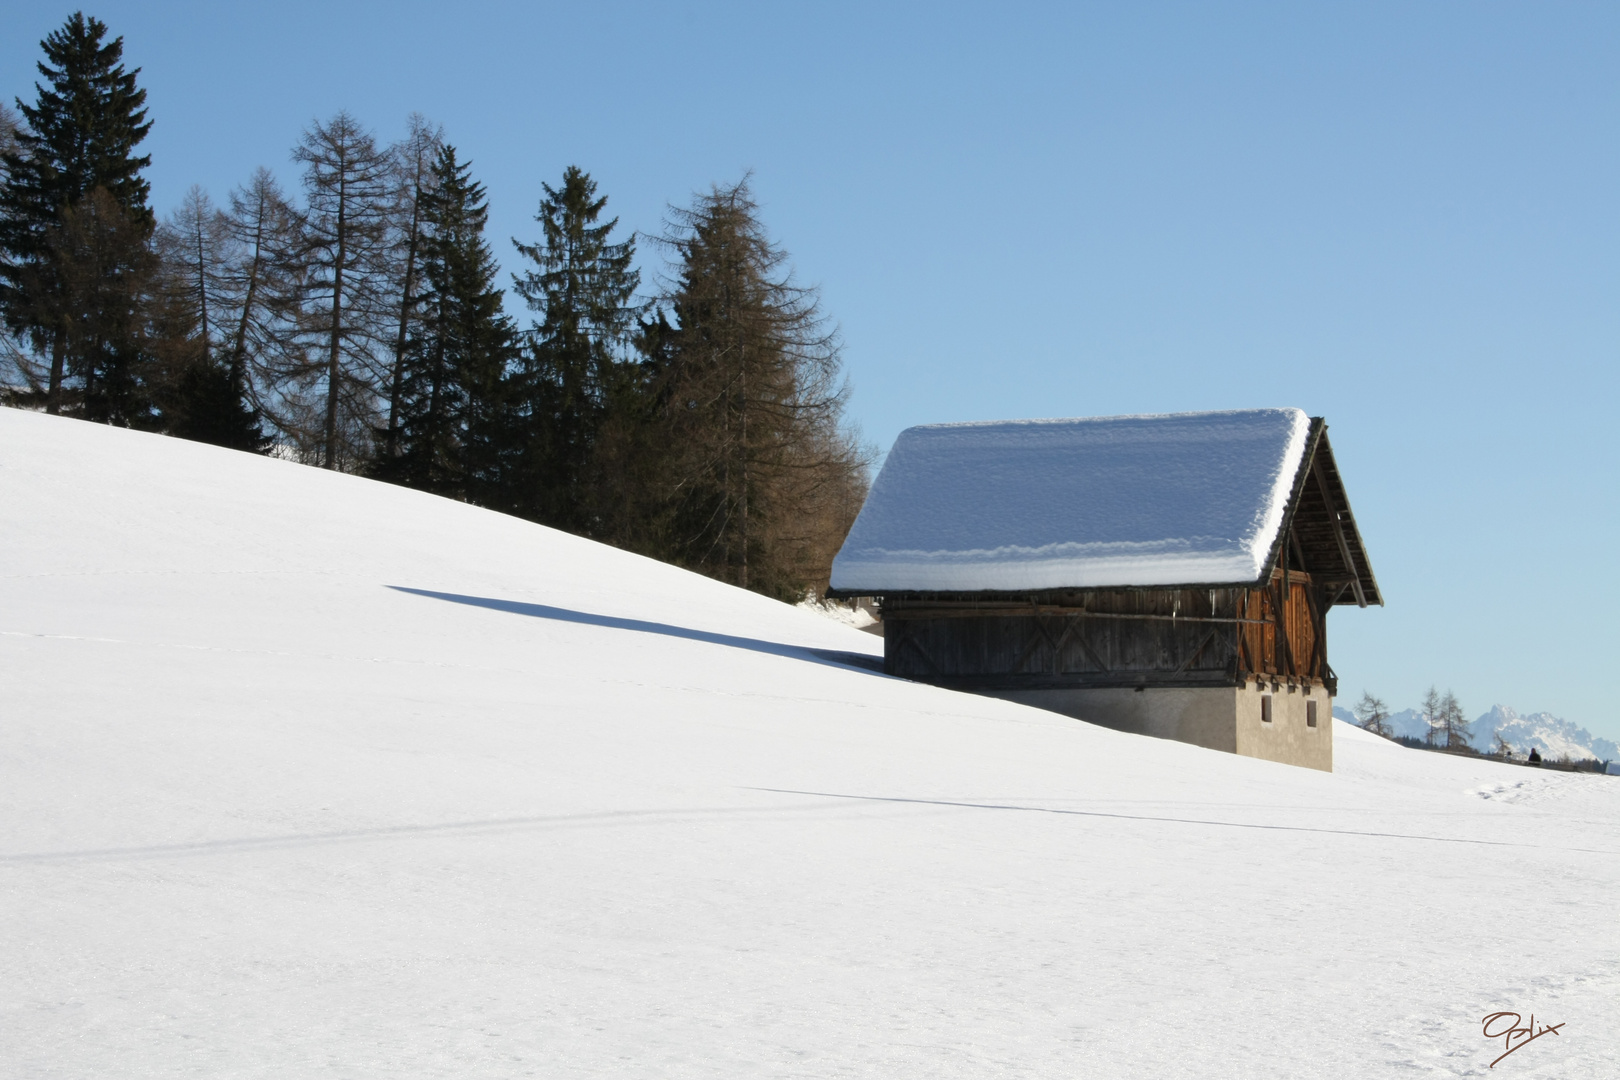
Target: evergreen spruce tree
(412, 160)
(95, 285)
(13, 362)
(448, 416)
(207, 402)
(78, 140)
(766, 481)
(634, 479)
(582, 286)
(8, 137)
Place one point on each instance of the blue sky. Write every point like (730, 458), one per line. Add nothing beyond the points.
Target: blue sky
(1401, 217)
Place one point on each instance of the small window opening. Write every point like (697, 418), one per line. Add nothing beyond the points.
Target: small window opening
(1265, 709)
(1310, 714)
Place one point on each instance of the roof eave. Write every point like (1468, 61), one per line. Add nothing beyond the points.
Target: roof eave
(1319, 462)
(1024, 594)
(1316, 460)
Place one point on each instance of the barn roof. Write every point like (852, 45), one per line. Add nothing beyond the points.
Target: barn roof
(1117, 501)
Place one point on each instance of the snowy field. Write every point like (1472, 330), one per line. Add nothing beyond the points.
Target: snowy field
(306, 776)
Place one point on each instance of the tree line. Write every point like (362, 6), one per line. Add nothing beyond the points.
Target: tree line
(357, 323)
(1447, 724)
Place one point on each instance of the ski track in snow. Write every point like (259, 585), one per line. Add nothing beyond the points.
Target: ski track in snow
(559, 811)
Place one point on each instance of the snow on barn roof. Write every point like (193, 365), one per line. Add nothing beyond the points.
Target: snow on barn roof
(1178, 499)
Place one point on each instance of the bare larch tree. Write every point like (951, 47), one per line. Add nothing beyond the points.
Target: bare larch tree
(1373, 714)
(345, 231)
(260, 286)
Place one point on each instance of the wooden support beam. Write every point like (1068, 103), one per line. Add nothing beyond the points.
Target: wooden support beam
(1338, 532)
(1286, 664)
(927, 660)
(1193, 659)
(1057, 646)
(1318, 635)
(1299, 553)
(1086, 645)
(1246, 662)
(1034, 643)
(1286, 596)
(980, 613)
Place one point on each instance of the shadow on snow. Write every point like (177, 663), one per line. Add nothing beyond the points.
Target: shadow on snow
(830, 657)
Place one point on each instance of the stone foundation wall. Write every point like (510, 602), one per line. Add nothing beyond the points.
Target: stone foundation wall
(1288, 738)
(1225, 718)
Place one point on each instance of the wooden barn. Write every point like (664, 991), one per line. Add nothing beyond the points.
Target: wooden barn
(1167, 575)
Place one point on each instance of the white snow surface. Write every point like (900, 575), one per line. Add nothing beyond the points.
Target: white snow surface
(840, 612)
(1179, 499)
(302, 775)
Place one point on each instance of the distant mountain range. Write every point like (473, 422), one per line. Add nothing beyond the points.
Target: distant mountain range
(1553, 736)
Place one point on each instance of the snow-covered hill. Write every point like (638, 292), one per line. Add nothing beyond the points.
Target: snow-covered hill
(1552, 736)
(1406, 724)
(306, 776)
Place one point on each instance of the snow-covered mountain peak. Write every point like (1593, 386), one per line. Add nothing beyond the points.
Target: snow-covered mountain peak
(1553, 736)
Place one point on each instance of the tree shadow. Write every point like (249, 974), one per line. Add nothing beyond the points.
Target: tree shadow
(830, 657)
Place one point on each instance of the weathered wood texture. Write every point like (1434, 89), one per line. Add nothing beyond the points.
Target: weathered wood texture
(1285, 636)
(1123, 637)
(1273, 629)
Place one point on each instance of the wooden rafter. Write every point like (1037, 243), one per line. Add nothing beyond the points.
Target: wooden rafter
(1338, 533)
(1202, 645)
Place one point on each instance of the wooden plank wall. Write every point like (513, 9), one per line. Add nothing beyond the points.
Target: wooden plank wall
(1298, 653)
(1125, 637)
